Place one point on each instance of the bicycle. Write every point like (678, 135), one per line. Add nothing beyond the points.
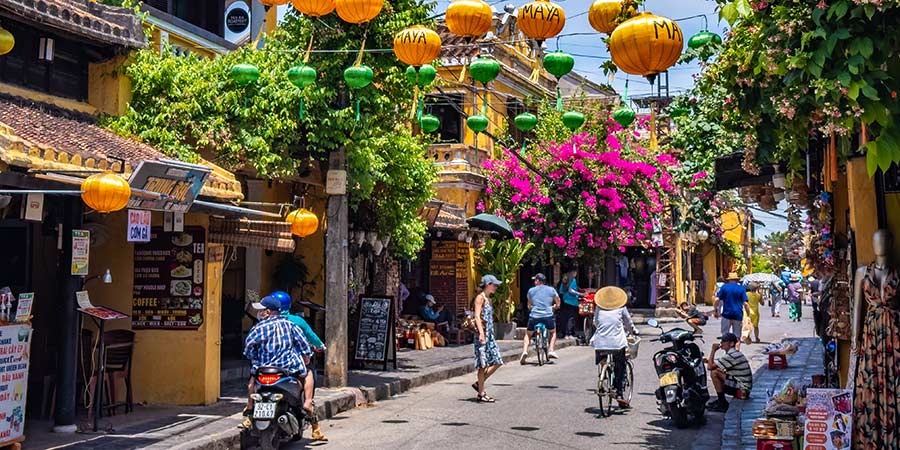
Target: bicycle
(541, 341)
(587, 329)
(606, 391)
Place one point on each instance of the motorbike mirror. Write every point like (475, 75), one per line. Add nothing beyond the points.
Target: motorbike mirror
(653, 323)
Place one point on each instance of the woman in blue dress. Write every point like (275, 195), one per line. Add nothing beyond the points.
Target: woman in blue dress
(487, 353)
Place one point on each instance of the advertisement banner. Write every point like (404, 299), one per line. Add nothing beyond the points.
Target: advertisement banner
(138, 225)
(81, 249)
(15, 346)
(829, 419)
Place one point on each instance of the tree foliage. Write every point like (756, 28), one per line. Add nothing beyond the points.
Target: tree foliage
(188, 106)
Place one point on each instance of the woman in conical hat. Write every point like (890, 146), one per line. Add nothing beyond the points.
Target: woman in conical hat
(613, 324)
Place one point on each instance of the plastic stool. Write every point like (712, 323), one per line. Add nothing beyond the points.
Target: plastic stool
(777, 362)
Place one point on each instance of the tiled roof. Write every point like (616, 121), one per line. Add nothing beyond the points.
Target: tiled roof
(453, 47)
(41, 136)
(85, 18)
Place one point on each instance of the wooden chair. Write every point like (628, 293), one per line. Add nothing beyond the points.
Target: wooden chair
(119, 346)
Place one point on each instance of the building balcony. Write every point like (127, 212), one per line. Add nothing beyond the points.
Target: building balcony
(457, 157)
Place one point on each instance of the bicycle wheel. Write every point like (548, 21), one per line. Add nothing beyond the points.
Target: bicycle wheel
(539, 347)
(628, 385)
(588, 328)
(604, 388)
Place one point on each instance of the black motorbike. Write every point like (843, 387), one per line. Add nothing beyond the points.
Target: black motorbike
(277, 413)
(682, 393)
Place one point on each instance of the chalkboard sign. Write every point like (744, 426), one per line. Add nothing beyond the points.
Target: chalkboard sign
(374, 337)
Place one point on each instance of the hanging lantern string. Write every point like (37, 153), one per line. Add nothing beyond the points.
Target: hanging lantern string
(312, 35)
(362, 47)
(536, 68)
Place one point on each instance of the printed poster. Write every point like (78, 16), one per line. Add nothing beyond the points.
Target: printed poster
(138, 225)
(81, 248)
(829, 419)
(23, 311)
(15, 344)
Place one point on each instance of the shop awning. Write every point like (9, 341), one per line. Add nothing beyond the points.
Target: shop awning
(41, 137)
(267, 235)
(443, 216)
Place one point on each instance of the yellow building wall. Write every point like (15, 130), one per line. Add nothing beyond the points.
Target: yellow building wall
(109, 89)
(711, 270)
(169, 366)
(733, 224)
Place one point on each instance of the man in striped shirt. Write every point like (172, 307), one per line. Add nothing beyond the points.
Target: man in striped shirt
(730, 373)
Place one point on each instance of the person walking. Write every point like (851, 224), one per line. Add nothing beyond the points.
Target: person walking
(542, 301)
(753, 301)
(732, 301)
(613, 323)
(795, 298)
(487, 353)
(568, 291)
(776, 289)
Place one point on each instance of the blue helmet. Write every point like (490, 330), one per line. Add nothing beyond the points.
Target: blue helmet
(282, 297)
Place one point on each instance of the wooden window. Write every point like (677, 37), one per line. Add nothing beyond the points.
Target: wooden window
(66, 75)
(447, 109)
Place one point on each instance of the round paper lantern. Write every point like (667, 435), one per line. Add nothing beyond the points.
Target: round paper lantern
(646, 45)
(429, 123)
(573, 120)
(417, 45)
(303, 222)
(469, 18)
(358, 11)
(525, 121)
(558, 63)
(105, 192)
(302, 76)
(314, 8)
(273, 2)
(602, 15)
(7, 41)
(703, 38)
(244, 74)
(484, 69)
(541, 19)
(624, 116)
(477, 123)
(358, 77)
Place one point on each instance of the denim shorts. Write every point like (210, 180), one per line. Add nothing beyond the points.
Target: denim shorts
(548, 322)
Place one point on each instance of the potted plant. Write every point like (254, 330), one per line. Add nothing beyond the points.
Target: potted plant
(503, 260)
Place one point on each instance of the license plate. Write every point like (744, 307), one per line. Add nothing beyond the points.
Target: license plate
(263, 410)
(668, 379)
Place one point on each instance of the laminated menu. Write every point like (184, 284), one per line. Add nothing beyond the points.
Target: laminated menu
(829, 419)
(169, 280)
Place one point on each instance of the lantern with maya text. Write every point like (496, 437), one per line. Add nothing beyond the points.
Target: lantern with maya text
(646, 45)
(417, 45)
(105, 192)
(469, 18)
(541, 20)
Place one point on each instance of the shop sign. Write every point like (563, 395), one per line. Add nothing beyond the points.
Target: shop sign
(178, 183)
(81, 249)
(373, 337)
(23, 310)
(336, 182)
(34, 207)
(169, 280)
(15, 343)
(138, 225)
(237, 21)
(829, 419)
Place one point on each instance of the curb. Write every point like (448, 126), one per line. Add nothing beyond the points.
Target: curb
(351, 397)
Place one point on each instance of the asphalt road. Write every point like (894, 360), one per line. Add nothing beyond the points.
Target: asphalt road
(553, 406)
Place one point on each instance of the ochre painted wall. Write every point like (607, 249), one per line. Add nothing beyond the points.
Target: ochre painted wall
(863, 219)
(109, 88)
(711, 272)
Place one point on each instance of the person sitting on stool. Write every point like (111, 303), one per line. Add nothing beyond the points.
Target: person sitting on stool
(730, 373)
(437, 315)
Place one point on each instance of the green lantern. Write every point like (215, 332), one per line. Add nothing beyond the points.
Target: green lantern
(477, 122)
(526, 121)
(427, 74)
(484, 69)
(358, 77)
(244, 74)
(624, 116)
(703, 38)
(558, 63)
(429, 123)
(573, 120)
(302, 76)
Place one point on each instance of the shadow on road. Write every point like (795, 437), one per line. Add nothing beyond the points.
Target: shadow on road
(591, 434)
(524, 428)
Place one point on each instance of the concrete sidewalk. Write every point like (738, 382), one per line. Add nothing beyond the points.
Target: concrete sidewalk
(215, 426)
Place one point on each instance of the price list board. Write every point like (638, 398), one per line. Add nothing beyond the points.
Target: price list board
(442, 273)
(169, 280)
(462, 278)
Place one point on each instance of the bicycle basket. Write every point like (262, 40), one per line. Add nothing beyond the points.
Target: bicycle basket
(632, 350)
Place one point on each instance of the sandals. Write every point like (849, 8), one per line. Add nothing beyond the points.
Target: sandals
(484, 398)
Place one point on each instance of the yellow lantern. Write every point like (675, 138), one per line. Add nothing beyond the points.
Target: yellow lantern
(7, 41)
(358, 11)
(602, 15)
(303, 222)
(274, 2)
(469, 18)
(646, 45)
(105, 192)
(417, 45)
(541, 19)
(314, 8)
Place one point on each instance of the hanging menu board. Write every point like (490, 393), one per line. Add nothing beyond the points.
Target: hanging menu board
(374, 333)
(442, 273)
(462, 278)
(169, 280)
(15, 342)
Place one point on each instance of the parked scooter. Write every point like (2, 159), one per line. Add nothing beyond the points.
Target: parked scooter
(277, 410)
(682, 393)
